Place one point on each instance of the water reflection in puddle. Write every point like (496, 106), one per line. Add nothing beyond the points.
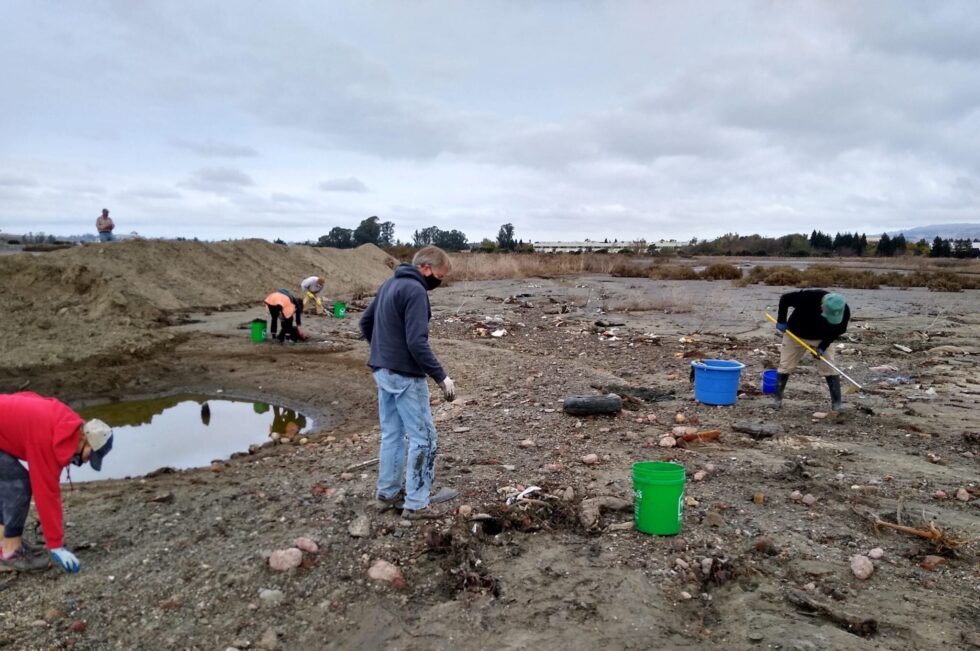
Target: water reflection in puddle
(184, 431)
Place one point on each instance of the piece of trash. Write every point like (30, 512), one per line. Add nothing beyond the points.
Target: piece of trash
(498, 333)
(904, 349)
(524, 493)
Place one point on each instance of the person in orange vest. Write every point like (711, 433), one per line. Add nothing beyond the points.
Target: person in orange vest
(283, 306)
(49, 436)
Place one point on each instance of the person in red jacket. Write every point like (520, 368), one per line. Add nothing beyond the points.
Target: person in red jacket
(48, 435)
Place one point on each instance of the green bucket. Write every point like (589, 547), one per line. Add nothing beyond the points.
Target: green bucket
(658, 492)
(339, 309)
(258, 331)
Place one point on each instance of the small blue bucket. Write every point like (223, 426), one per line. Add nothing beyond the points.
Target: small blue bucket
(716, 381)
(769, 380)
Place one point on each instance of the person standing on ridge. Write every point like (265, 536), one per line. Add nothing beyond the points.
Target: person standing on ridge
(396, 325)
(819, 318)
(105, 226)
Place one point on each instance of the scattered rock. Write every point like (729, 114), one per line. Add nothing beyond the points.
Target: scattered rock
(78, 626)
(346, 476)
(360, 527)
(306, 544)
(590, 509)
(796, 496)
(163, 498)
(668, 442)
(465, 511)
(862, 567)
(385, 572)
(682, 564)
(685, 595)
(809, 499)
(810, 587)
(706, 564)
(759, 498)
(528, 443)
(590, 459)
(568, 495)
(679, 418)
(963, 495)
(683, 430)
(819, 415)
(700, 475)
(941, 495)
(271, 596)
(282, 560)
(765, 545)
(876, 553)
(552, 467)
(269, 640)
(460, 430)
(53, 614)
(714, 519)
(932, 562)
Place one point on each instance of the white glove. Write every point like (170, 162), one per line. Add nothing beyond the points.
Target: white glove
(68, 561)
(448, 389)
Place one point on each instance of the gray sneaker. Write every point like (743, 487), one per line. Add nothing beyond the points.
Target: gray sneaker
(383, 504)
(24, 561)
(427, 513)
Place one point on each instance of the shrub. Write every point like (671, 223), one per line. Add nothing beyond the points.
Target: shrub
(673, 272)
(784, 276)
(627, 269)
(722, 271)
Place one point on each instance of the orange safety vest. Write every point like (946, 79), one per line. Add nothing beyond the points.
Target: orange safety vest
(283, 301)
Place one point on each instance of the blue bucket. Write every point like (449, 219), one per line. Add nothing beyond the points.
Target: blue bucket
(716, 381)
(769, 380)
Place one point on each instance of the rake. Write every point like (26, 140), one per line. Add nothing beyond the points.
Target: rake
(818, 355)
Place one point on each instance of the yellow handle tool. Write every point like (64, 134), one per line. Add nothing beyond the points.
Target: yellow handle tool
(815, 353)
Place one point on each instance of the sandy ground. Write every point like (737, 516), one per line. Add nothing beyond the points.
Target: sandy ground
(178, 559)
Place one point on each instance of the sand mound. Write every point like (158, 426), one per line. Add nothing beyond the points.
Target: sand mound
(91, 299)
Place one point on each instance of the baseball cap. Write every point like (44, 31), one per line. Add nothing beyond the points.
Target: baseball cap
(833, 308)
(99, 436)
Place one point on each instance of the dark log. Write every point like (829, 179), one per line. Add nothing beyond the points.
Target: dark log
(857, 624)
(591, 405)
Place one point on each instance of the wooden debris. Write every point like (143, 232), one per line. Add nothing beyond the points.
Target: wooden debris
(359, 466)
(932, 533)
(699, 437)
(856, 624)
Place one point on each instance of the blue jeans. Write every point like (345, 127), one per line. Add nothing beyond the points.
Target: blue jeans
(403, 408)
(15, 495)
(107, 237)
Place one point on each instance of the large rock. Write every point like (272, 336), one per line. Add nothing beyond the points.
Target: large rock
(285, 559)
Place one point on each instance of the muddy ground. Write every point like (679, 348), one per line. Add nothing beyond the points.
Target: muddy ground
(179, 559)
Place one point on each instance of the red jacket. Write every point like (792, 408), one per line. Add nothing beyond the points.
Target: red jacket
(44, 432)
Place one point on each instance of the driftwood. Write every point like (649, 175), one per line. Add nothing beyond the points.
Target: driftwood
(359, 466)
(699, 437)
(591, 405)
(933, 533)
(857, 624)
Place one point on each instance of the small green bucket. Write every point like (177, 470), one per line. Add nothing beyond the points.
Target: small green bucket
(258, 331)
(658, 492)
(339, 309)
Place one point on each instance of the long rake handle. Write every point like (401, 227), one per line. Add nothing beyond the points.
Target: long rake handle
(815, 353)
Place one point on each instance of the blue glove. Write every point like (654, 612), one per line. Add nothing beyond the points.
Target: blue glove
(781, 327)
(68, 561)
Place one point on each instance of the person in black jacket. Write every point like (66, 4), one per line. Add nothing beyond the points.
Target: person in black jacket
(818, 318)
(396, 324)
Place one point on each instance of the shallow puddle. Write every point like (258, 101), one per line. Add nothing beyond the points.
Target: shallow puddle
(183, 431)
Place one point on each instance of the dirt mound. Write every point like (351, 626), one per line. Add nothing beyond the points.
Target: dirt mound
(74, 303)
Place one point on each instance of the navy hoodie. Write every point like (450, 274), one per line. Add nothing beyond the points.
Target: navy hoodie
(396, 324)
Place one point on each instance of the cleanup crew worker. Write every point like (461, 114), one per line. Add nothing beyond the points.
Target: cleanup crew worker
(311, 288)
(48, 435)
(283, 306)
(819, 318)
(396, 324)
(104, 225)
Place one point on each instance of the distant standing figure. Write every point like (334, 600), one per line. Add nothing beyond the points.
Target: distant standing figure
(283, 306)
(312, 287)
(104, 225)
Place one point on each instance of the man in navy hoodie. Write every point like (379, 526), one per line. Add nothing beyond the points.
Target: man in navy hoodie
(396, 324)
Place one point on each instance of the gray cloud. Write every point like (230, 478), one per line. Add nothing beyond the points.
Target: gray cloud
(10, 181)
(150, 192)
(213, 149)
(349, 184)
(218, 180)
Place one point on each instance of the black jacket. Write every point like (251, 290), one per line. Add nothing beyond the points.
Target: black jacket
(806, 321)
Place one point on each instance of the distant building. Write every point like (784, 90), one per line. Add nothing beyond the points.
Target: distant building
(588, 246)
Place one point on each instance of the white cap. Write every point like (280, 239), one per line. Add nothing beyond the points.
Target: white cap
(97, 433)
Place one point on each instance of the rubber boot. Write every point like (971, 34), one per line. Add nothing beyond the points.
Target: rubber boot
(777, 400)
(833, 383)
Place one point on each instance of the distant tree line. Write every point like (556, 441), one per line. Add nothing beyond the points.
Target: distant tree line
(374, 231)
(822, 244)
(370, 231)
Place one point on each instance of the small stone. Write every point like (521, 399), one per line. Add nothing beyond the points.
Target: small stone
(876, 553)
(385, 572)
(706, 564)
(53, 614)
(861, 566)
(465, 511)
(679, 418)
(685, 595)
(963, 495)
(306, 544)
(528, 443)
(759, 498)
(819, 415)
(765, 545)
(568, 495)
(796, 496)
(681, 563)
(271, 596)
(932, 562)
(941, 495)
(590, 459)
(668, 442)
(346, 476)
(690, 501)
(682, 430)
(360, 527)
(303, 441)
(282, 560)
(714, 519)
(710, 467)
(552, 467)
(78, 626)
(700, 475)
(809, 499)
(269, 640)
(460, 430)
(810, 587)
(509, 467)
(756, 636)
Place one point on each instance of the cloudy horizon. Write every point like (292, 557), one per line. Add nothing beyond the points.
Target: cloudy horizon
(568, 120)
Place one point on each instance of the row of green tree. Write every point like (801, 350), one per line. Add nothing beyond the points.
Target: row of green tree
(374, 231)
(822, 244)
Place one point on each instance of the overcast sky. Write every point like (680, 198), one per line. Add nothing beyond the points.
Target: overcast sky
(568, 119)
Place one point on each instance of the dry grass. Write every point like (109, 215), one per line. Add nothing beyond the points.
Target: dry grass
(830, 276)
(500, 266)
(673, 272)
(721, 271)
